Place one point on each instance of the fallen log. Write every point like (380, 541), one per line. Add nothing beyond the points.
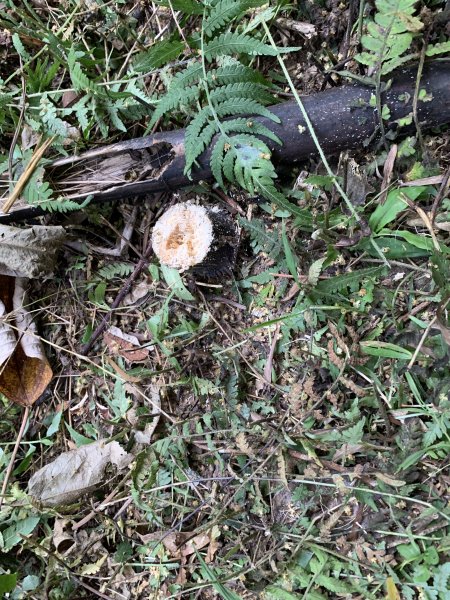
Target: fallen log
(342, 118)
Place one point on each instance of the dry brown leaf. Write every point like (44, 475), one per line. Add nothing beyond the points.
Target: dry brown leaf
(196, 543)
(346, 451)
(390, 480)
(137, 294)
(24, 370)
(214, 545)
(76, 473)
(125, 345)
(181, 544)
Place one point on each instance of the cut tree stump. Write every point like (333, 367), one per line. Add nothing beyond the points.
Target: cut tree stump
(202, 239)
(342, 118)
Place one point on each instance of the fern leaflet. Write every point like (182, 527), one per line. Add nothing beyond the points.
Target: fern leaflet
(229, 90)
(389, 35)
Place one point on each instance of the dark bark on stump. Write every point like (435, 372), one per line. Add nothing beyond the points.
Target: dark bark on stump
(342, 118)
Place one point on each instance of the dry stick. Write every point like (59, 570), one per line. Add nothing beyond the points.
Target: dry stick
(424, 337)
(26, 414)
(23, 179)
(143, 261)
(440, 195)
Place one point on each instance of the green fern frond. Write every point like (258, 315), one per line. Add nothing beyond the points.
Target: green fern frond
(224, 11)
(216, 160)
(236, 43)
(173, 100)
(188, 76)
(389, 35)
(263, 239)
(157, 56)
(221, 14)
(242, 106)
(201, 130)
(350, 280)
(61, 205)
(241, 89)
(235, 73)
(196, 145)
(223, 75)
(117, 269)
(80, 80)
(221, 97)
(247, 125)
(439, 48)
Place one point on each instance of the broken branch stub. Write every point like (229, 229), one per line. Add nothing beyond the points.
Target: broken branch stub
(202, 239)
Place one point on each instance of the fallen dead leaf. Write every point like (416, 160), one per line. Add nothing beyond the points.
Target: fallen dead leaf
(125, 345)
(390, 480)
(137, 294)
(75, 473)
(24, 370)
(29, 252)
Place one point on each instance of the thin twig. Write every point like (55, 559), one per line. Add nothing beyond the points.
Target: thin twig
(440, 195)
(421, 342)
(143, 261)
(28, 172)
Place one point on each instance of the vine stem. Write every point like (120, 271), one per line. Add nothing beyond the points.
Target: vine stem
(336, 183)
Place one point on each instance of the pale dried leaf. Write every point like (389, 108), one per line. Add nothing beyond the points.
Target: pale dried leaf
(390, 480)
(196, 543)
(29, 252)
(387, 172)
(153, 398)
(76, 473)
(243, 445)
(139, 292)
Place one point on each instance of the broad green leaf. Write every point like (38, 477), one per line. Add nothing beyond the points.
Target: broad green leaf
(392, 248)
(274, 592)
(290, 258)
(7, 583)
(54, 425)
(387, 212)
(385, 350)
(14, 534)
(78, 438)
(175, 283)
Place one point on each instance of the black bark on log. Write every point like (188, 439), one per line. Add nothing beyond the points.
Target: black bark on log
(342, 118)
